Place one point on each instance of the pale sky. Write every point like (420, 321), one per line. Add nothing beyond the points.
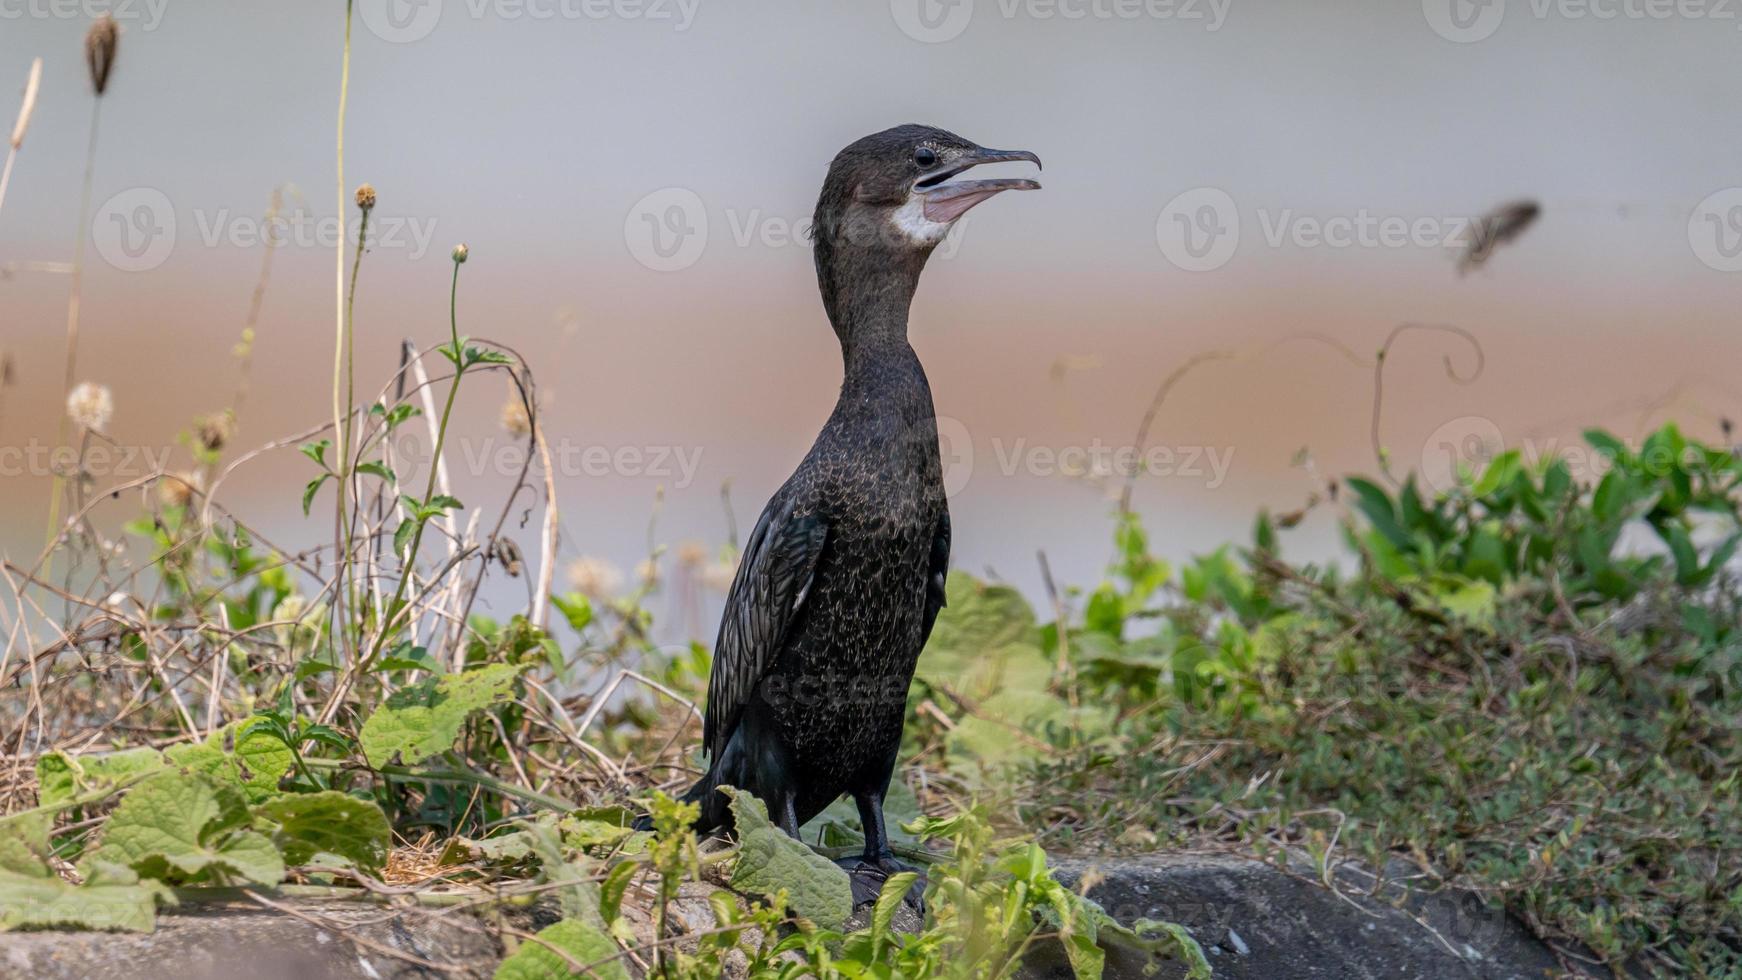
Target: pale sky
(556, 137)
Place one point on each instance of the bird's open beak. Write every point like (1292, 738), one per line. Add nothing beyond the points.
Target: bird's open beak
(945, 202)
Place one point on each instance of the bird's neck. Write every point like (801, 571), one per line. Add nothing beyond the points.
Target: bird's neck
(867, 296)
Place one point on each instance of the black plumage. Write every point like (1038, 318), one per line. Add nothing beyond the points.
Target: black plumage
(843, 575)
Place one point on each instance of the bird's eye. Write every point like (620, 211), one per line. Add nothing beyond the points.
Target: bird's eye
(925, 156)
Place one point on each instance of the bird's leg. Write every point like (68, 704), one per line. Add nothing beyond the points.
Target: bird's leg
(878, 861)
(876, 835)
(788, 816)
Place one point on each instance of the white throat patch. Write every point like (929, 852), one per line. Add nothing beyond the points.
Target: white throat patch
(910, 219)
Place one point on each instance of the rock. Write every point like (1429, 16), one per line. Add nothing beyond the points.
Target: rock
(1255, 921)
(226, 942)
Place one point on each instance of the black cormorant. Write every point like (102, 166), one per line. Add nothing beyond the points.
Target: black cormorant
(843, 575)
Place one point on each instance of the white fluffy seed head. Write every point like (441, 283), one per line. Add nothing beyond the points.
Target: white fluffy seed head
(594, 577)
(91, 406)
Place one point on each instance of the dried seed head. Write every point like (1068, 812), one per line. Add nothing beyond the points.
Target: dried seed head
(180, 489)
(691, 555)
(101, 42)
(31, 85)
(213, 432)
(514, 417)
(508, 553)
(91, 406)
(594, 577)
(460, 253)
(366, 196)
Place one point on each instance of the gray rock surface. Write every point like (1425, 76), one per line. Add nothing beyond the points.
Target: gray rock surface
(247, 942)
(1255, 921)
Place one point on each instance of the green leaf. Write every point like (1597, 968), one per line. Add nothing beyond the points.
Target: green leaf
(441, 503)
(254, 761)
(1498, 473)
(328, 823)
(583, 944)
(184, 827)
(375, 468)
(1373, 502)
(402, 536)
(61, 777)
(426, 718)
(576, 608)
(316, 451)
(394, 415)
(888, 900)
(480, 355)
(614, 887)
(111, 897)
(314, 487)
(407, 657)
(770, 862)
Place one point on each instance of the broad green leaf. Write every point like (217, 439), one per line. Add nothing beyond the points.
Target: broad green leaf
(425, 719)
(770, 862)
(186, 827)
(24, 845)
(328, 823)
(582, 944)
(60, 777)
(254, 762)
(111, 898)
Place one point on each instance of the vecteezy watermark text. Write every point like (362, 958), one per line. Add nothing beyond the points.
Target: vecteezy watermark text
(99, 460)
(139, 229)
(1201, 229)
(1469, 21)
(145, 15)
(405, 21)
(670, 229)
(937, 21)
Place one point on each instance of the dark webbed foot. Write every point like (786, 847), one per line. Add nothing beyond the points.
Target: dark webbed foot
(868, 874)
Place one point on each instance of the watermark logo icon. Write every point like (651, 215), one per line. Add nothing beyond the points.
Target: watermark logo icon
(956, 453)
(1464, 21)
(134, 231)
(1715, 230)
(932, 21)
(401, 21)
(667, 230)
(1199, 230)
(1462, 446)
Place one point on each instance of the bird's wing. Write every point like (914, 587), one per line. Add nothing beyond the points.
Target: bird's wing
(937, 576)
(774, 577)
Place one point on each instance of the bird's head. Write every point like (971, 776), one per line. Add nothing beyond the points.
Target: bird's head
(888, 200)
(896, 191)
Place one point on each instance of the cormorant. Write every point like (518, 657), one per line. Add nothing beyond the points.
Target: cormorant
(843, 575)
